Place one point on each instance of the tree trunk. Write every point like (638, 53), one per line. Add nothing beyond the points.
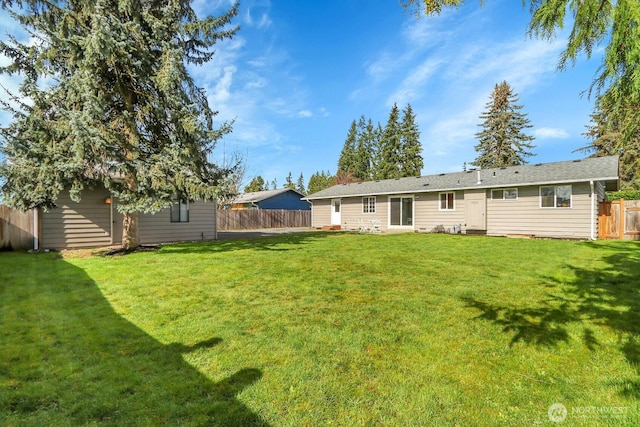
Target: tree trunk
(130, 234)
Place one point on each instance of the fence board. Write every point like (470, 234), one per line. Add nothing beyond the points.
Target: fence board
(16, 229)
(262, 218)
(620, 219)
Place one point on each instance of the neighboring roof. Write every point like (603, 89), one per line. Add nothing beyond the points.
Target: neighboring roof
(258, 196)
(589, 169)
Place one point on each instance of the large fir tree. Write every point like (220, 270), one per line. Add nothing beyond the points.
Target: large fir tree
(347, 160)
(411, 147)
(502, 141)
(390, 148)
(106, 99)
(611, 134)
(368, 137)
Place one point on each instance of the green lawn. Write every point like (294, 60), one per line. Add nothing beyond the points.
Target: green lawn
(324, 329)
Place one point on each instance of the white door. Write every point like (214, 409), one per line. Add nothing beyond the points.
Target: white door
(335, 211)
(475, 208)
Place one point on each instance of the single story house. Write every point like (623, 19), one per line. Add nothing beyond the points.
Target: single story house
(95, 222)
(284, 198)
(558, 199)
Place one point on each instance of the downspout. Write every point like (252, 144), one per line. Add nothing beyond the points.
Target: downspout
(593, 210)
(111, 218)
(36, 229)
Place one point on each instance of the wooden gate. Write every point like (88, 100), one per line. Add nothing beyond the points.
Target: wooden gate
(619, 219)
(16, 229)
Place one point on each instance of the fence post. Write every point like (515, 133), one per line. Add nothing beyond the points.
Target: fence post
(622, 226)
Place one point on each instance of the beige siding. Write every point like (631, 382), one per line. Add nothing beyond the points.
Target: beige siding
(428, 215)
(525, 216)
(158, 228)
(321, 213)
(77, 225)
(352, 213)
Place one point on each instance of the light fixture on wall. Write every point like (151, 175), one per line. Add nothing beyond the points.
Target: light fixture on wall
(107, 201)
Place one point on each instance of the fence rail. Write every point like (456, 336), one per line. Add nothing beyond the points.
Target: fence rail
(262, 218)
(16, 229)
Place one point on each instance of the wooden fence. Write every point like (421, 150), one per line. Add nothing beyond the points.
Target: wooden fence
(619, 219)
(16, 229)
(262, 218)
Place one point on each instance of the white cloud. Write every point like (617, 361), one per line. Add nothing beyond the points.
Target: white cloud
(304, 114)
(550, 133)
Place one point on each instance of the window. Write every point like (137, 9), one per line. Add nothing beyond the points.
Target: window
(368, 205)
(504, 194)
(336, 206)
(511, 194)
(447, 201)
(180, 211)
(558, 196)
(401, 211)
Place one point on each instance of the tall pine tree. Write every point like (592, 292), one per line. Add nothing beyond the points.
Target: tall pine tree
(109, 101)
(502, 141)
(612, 134)
(347, 160)
(368, 137)
(411, 147)
(390, 148)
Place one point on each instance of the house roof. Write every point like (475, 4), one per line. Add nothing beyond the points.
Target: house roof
(589, 169)
(258, 196)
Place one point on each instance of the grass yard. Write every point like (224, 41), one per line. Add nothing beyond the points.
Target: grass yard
(324, 329)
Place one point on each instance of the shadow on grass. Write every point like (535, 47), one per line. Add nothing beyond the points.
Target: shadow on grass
(607, 295)
(68, 358)
(254, 241)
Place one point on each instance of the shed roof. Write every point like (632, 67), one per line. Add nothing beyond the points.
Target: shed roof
(258, 196)
(589, 169)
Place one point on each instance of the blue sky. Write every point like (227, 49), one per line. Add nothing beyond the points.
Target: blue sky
(299, 72)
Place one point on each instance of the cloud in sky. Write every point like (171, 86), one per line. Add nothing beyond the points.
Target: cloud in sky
(550, 133)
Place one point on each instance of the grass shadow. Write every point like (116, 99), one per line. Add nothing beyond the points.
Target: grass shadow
(271, 242)
(68, 358)
(607, 294)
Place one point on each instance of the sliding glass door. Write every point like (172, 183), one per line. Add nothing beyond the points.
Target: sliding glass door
(401, 211)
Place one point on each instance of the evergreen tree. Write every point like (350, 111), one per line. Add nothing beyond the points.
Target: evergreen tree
(502, 141)
(347, 160)
(256, 184)
(411, 147)
(390, 151)
(319, 181)
(611, 135)
(288, 183)
(274, 184)
(300, 185)
(118, 102)
(367, 141)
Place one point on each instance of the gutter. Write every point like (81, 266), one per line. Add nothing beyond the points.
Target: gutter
(36, 229)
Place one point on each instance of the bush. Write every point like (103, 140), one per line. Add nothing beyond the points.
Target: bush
(624, 194)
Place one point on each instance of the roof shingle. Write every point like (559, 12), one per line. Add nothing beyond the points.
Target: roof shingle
(589, 169)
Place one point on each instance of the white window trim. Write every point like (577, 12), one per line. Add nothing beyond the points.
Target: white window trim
(375, 205)
(555, 196)
(440, 204)
(413, 211)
